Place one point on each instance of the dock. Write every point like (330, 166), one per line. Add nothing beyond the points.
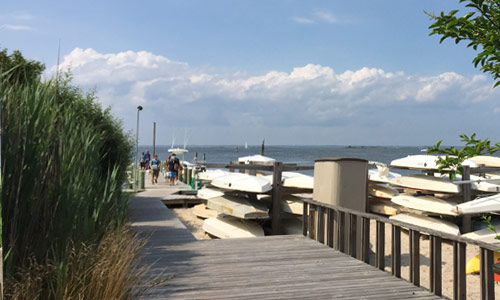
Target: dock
(271, 267)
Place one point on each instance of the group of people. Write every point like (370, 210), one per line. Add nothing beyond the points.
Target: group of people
(172, 167)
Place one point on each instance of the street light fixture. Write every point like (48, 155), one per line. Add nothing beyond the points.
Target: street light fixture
(136, 179)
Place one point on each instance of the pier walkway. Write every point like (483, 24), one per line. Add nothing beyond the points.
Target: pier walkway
(272, 267)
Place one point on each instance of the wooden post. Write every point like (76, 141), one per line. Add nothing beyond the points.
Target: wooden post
(341, 231)
(321, 224)
(336, 230)
(330, 215)
(415, 257)
(436, 267)
(466, 219)
(380, 244)
(276, 207)
(459, 280)
(396, 251)
(305, 214)
(312, 221)
(365, 241)
(352, 235)
(486, 271)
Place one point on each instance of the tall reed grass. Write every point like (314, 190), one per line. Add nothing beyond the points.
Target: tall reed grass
(64, 160)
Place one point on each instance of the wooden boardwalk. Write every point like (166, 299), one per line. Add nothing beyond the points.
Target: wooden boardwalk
(274, 267)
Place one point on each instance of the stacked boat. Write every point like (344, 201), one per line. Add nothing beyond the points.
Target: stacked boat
(238, 203)
(232, 209)
(429, 199)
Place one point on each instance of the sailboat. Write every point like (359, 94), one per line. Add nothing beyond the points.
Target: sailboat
(178, 151)
(246, 145)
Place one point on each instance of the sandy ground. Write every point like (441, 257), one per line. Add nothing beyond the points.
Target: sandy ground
(473, 281)
(194, 224)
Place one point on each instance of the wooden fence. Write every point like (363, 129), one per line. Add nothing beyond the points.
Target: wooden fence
(327, 224)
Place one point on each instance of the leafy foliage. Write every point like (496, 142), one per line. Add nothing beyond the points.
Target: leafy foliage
(451, 162)
(480, 27)
(15, 69)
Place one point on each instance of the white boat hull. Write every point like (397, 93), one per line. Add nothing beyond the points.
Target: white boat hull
(238, 207)
(294, 180)
(208, 193)
(209, 175)
(423, 162)
(426, 203)
(228, 227)
(480, 205)
(485, 235)
(426, 183)
(382, 207)
(488, 161)
(428, 222)
(201, 211)
(382, 177)
(380, 191)
(242, 182)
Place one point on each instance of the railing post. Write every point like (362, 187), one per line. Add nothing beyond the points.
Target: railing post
(276, 212)
(336, 230)
(321, 225)
(312, 222)
(341, 232)
(330, 215)
(436, 266)
(305, 213)
(365, 241)
(415, 257)
(459, 280)
(396, 251)
(352, 235)
(466, 219)
(380, 244)
(486, 272)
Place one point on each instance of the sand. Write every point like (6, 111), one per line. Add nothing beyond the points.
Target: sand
(194, 224)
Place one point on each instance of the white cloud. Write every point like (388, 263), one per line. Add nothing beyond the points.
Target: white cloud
(310, 95)
(15, 27)
(325, 16)
(302, 20)
(318, 16)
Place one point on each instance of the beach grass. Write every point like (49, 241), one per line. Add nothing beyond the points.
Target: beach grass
(64, 162)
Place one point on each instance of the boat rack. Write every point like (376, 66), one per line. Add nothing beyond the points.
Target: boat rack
(277, 168)
(466, 186)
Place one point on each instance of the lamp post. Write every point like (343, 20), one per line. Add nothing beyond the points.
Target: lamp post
(136, 177)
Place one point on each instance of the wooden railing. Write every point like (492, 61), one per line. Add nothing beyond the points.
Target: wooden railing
(328, 224)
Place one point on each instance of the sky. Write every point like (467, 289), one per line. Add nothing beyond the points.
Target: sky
(291, 72)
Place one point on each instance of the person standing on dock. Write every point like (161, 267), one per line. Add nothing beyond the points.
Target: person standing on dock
(155, 168)
(147, 158)
(173, 168)
(141, 161)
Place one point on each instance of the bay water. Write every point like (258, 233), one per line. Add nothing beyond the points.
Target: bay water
(301, 155)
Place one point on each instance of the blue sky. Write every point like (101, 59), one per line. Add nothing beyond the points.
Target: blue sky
(292, 72)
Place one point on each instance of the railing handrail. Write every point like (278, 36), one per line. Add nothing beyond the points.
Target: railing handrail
(255, 166)
(375, 217)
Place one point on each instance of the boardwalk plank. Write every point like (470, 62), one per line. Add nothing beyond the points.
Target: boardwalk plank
(287, 267)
